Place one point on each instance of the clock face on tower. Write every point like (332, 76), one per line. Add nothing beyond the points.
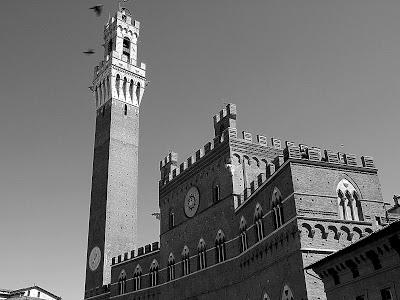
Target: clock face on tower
(192, 200)
(94, 258)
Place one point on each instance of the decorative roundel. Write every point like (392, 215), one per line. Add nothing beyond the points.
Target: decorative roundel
(192, 200)
(94, 258)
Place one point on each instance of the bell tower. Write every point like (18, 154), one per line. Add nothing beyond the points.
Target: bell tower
(118, 87)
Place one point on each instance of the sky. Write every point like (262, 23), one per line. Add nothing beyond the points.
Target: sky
(324, 73)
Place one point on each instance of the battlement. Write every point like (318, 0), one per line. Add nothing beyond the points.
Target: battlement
(228, 111)
(149, 248)
(303, 152)
(225, 119)
(169, 165)
(119, 16)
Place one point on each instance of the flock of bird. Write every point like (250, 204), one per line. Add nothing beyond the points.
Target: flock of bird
(97, 9)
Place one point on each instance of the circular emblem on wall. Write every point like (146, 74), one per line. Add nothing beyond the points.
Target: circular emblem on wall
(192, 200)
(94, 258)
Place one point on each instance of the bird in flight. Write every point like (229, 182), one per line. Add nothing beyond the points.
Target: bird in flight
(89, 52)
(97, 9)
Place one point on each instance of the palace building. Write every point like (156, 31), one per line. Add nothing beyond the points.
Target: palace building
(242, 218)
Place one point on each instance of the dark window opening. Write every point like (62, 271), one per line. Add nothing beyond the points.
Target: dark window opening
(386, 294)
(110, 46)
(125, 109)
(353, 268)
(171, 220)
(334, 275)
(216, 192)
(373, 257)
(126, 48)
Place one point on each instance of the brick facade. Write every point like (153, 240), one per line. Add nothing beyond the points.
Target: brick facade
(265, 211)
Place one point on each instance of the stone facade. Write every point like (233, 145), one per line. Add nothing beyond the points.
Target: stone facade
(278, 209)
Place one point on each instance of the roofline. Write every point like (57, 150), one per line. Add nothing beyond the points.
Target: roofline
(38, 288)
(385, 231)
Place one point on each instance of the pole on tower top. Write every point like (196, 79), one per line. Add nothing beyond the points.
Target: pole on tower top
(119, 3)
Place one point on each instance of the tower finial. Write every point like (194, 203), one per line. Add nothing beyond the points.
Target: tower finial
(119, 3)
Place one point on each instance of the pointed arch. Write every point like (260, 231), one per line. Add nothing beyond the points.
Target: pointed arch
(122, 282)
(201, 254)
(264, 165)
(171, 258)
(265, 296)
(117, 84)
(349, 206)
(220, 237)
(243, 223)
(131, 84)
(124, 87)
(258, 222)
(171, 218)
(171, 267)
(138, 87)
(243, 234)
(277, 208)
(236, 159)
(185, 261)
(137, 278)
(126, 49)
(256, 161)
(287, 293)
(220, 249)
(154, 273)
(201, 245)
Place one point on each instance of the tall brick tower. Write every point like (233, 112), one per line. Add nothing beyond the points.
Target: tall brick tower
(118, 88)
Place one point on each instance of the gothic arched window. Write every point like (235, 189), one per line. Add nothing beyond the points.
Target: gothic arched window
(201, 254)
(171, 267)
(216, 193)
(243, 234)
(131, 90)
(126, 49)
(349, 205)
(277, 209)
(122, 283)
(185, 261)
(117, 84)
(138, 92)
(124, 87)
(171, 219)
(154, 273)
(287, 293)
(265, 296)
(137, 278)
(220, 250)
(258, 222)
